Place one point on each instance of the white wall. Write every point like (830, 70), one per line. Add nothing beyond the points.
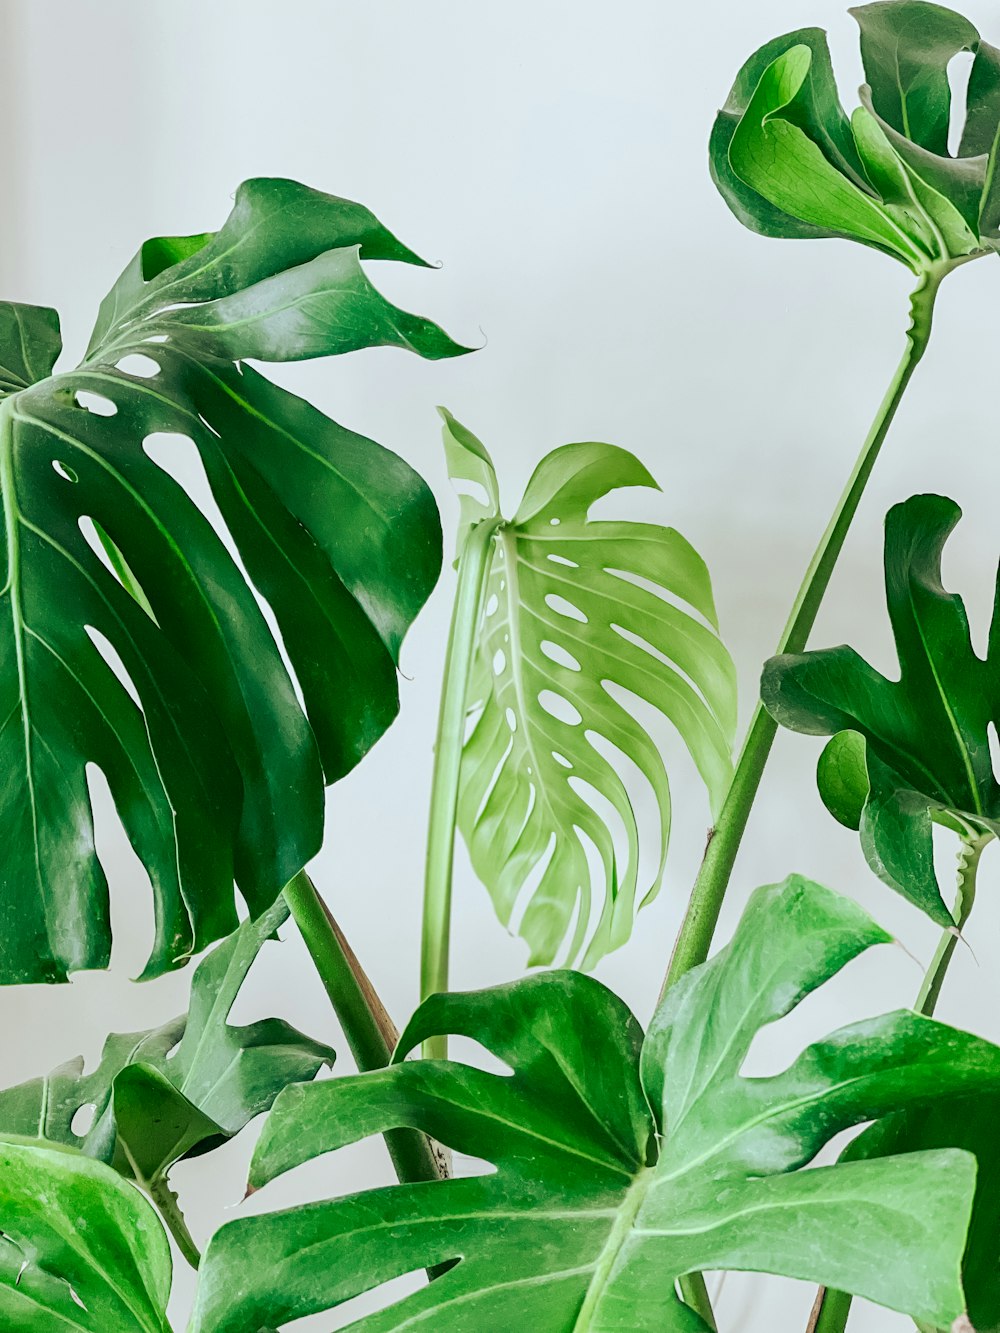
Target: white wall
(553, 157)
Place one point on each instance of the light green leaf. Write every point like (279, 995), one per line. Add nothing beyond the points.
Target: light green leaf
(80, 1249)
(180, 1089)
(217, 772)
(575, 611)
(597, 1205)
(926, 756)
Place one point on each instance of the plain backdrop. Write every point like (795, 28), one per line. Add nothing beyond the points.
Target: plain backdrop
(552, 157)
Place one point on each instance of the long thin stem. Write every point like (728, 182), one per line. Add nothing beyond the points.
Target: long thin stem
(832, 1308)
(698, 928)
(367, 1027)
(473, 570)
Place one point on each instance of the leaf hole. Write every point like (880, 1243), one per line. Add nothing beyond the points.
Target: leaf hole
(561, 759)
(142, 367)
(511, 719)
(63, 471)
(96, 403)
(994, 744)
(557, 653)
(554, 522)
(559, 708)
(111, 656)
(959, 73)
(562, 560)
(492, 604)
(499, 661)
(83, 1119)
(564, 608)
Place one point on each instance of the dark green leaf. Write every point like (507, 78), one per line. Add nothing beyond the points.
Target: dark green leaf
(162, 1095)
(30, 342)
(566, 620)
(597, 1204)
(842, 778)
(80, 1248)
(926, 742)
(217, 771)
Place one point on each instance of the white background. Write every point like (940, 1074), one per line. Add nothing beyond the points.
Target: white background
(552, 156)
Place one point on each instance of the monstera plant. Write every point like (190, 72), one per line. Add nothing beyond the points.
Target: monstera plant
(572, 1172)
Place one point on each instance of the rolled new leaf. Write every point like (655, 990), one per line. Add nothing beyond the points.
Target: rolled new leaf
(789, 162)
(623, 1162)
(581, 616)
(914, 752)
(216, 769)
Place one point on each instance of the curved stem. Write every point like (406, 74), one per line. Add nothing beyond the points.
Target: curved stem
(832, 1308)
(369, 1030)
(698, 927)
(473, 570)
(169, 1209)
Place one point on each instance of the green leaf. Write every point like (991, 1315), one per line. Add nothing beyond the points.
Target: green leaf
(598, 1204)
(842, 778)
(967, 1123)
(217, 772)
(80, 1249)
(926, 744)
(576, 609)
(906, 47)
(789, 163)
(180, 1089)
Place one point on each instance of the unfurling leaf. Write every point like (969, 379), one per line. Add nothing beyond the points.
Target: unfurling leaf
(214, 767)
(178, 1090)
(598, 1203)
(80, 1248)
(789, 162)
(910, 753)
(576, 614)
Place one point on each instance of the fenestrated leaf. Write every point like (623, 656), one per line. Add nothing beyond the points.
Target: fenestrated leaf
(80, 1248)
(217, 771)
(597, 1204)
(180, 1089)
(923, 740)
(576, 608)
(789, 163)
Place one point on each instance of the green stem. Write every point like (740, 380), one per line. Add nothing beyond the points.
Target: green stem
(832, 1308)
(367, 1027)
(473, 570)
(968, 864)
(698, 927)
(168, 1208)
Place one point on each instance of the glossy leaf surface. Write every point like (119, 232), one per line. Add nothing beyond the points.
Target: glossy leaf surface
(915, 751)
(789, 162)
(576, 623)
(180, 1089)
(59, 1275)
(598, 1204)
(214, 767)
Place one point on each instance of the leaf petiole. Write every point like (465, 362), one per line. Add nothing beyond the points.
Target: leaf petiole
(473, 571)
(698, 927)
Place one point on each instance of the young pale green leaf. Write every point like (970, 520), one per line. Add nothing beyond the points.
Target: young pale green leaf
(575, 616)
(789, 163)
(215, 768)
(81, 1251)
(598, 1204)
(920, 747)
(178, 1090)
